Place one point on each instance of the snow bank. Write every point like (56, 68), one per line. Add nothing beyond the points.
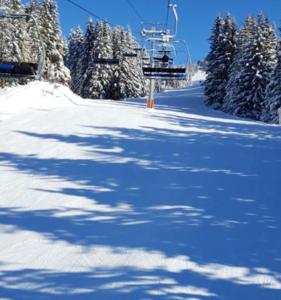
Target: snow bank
(35, 95)
(198, 77)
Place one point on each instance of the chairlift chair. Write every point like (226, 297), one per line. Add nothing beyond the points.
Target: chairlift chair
(17, 70)
(163, 62)
(23, 69)
(130, 55)
(106, 61)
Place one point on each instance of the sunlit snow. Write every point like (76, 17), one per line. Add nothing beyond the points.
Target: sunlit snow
(109, 200)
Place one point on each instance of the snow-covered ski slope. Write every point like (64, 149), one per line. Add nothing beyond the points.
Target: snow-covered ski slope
(109, 201)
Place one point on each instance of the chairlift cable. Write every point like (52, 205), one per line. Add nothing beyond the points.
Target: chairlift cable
(88, 11)
(135, 10)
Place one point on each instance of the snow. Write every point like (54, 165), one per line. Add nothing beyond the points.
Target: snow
(109, 200)
(199, 77)
(35, 95)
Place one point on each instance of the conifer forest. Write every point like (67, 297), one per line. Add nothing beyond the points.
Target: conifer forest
(244, 68)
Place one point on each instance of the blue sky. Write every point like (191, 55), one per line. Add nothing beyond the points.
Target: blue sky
(196, 16)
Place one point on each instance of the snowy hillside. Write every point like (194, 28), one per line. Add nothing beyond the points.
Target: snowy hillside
(107, 200)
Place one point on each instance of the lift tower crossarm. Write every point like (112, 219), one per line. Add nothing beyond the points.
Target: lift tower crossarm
(152, 31)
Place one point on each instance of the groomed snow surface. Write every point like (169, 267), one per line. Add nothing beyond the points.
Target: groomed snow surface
(108, 200)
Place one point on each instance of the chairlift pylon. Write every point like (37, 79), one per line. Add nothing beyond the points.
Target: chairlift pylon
(23, 69)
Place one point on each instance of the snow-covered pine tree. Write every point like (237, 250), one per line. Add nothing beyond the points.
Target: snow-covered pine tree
(127, 80)
(6, 30)
(86, 59)
(18, 49)
(136, 81)
(258, 56)
(14, 37)
(273, 93)
(244, 35)
(55, 69)
(74, 55)
(223, 45)
(211, 61)
(33, 8)
(16, 40)
(6, 39)
(269, 58)
(4, 4)
(220, 59)
(118, 80)
(98, 75)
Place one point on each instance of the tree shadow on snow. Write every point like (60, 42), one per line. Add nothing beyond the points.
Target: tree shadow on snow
(199, 201)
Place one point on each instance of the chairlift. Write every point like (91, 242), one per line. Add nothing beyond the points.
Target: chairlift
(164, 63)
(165, 73)
(23, 69)
(145, 59)
(139, 49)
(133, 52)
(130, 55)
(164, 51)
(165, 59)
(17, 70)
(106, 61)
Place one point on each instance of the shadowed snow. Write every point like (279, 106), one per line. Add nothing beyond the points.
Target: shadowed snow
(107, 200)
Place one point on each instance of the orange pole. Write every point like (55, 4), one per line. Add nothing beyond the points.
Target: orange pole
(150, 103)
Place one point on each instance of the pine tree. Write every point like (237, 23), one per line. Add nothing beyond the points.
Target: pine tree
(118, 86)
(211, 61)
(5, 4)
(220, 58)
(258, 56)
(269, 58)
(135, 82)
(273, 93)
(245, 34)
(14, 37)
(33, 42)
(6, 39)
(19, 49)
(34, 7)
(74, 55)
(97, 82)
(6, 29)
(85, 61)
(55, 69)
(127, 80)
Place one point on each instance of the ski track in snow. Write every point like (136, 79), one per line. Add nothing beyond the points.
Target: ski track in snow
(107, 200)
